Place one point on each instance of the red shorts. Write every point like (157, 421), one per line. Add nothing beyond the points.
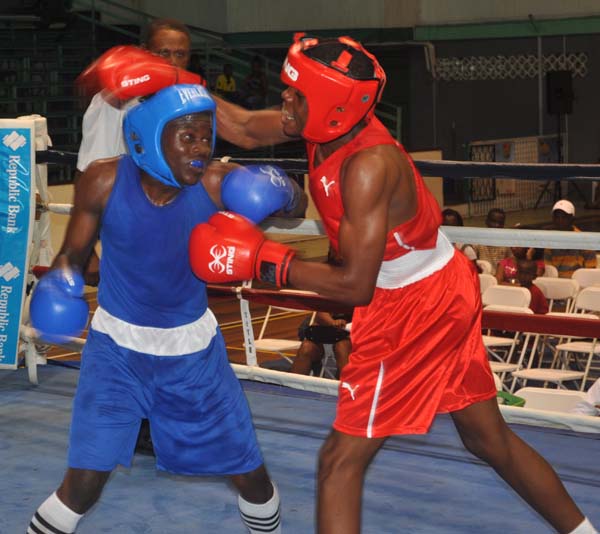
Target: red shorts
(416, 351)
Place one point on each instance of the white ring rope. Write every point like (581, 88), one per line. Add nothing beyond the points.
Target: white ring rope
(457, 234)
(530, 238)
(463, 234)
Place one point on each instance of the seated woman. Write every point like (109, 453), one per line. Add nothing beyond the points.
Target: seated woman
(526, 272)
(506, 273)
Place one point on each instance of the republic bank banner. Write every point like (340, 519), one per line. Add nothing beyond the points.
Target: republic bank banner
(16, 221)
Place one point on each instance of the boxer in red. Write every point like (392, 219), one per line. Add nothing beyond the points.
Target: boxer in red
(416, 332)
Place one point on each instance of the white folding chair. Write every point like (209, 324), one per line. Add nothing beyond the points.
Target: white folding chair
(550, 271)
(587, 300)
(563, 290)
(501, 365)
(587, 305)
(506, 296)
(554, 400)
(485, 266)
(487, 280)
(281, 346)
(586, 277)
(558, 289)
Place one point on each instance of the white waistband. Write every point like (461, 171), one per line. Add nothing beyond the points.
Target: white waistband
(415, 265)
(178, 341)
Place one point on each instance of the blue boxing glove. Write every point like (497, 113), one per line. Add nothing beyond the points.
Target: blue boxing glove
(257, 191)
(57, 310)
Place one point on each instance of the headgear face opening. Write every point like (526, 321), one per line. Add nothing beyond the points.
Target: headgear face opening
(336, 101)
(144, 124)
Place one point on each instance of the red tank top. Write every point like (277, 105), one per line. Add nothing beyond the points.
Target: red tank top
(419, 233)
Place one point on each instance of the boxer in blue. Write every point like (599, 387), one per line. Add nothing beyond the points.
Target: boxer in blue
(154, 349)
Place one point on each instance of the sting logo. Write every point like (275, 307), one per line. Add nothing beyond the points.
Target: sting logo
(135, 81)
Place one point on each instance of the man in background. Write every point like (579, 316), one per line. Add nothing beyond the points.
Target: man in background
(567, 261)
(496, 218)
(226, 86)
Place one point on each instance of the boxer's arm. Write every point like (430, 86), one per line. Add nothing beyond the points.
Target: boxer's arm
(249, 128)
(367, 187)
(91, 194)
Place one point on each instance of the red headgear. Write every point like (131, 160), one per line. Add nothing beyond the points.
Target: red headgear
(336, 102)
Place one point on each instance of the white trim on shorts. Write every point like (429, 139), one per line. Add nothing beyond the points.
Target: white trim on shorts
(415, 265)
(177, 341)
(375, 400)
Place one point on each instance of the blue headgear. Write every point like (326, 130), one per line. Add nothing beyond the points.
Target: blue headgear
(144, 124)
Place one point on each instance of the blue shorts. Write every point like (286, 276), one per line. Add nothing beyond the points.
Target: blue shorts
(199, 417)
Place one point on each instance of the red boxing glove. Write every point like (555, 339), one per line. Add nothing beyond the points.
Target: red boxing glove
(229, 248)
(127, 72)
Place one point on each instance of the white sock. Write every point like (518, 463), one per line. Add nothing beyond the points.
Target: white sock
(53, 517)
(585, 528)
(260, 518)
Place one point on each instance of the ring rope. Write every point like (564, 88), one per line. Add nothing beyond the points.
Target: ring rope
(457, 234)
(463, 234)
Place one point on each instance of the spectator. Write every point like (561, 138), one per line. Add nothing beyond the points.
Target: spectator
(226, 86)
(591, 404)
(496, 218)
(567, 261)
(526, 272)
(451, 217)
(330, 329)
(506, 272)
(507, 268)
(254, 89)
(537, 255)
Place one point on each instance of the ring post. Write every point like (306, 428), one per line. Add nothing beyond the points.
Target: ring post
(17, 212)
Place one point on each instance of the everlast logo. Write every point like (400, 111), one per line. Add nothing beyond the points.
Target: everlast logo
(188, 94)
(135, 81)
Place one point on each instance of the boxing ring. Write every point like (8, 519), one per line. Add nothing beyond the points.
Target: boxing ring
(417, 484)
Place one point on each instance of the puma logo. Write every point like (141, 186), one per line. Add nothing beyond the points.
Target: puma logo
(401, 243)
(326, 185)
(351, 389)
